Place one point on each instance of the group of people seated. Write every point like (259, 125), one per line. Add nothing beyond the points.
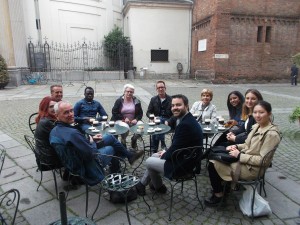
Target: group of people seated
(251, 135)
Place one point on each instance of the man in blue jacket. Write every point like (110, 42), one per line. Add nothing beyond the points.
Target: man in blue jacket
(188, 133)
(77, 153)
(87, 108)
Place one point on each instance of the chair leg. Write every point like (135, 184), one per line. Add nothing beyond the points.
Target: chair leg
(86, 199)
(171, 201)
(126, 204)
(98, 203)
(252, 202)
(197, 195)
(40, 180)
(55, 183)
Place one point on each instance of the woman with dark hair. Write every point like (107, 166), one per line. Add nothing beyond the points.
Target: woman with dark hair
(263, 138)
(45, 123)
(238, 136)
(235, 101)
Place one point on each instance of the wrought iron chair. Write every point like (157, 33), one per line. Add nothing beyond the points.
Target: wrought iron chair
(2, 156)
(7, 200)
(42, 166)
(32, 123)
(184, 161)
(260, 179)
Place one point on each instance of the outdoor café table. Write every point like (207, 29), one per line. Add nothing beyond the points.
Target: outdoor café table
(211, 131)
(115, 130)
(158, 129)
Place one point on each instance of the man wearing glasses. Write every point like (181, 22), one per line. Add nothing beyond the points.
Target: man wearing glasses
(160, 106)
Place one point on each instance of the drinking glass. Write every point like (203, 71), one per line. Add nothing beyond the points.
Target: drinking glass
(157, 121)
(207, 122)
(151, 117)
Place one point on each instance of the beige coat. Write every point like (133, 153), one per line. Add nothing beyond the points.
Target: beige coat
(256, 146)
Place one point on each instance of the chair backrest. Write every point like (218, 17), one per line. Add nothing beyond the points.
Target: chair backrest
(7, 199)
(2, 156)
(265, 163)
(31, 142)
(32, 123)
(185, 160)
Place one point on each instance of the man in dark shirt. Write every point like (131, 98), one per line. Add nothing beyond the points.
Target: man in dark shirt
(294, 74)
(160, 106)
(87, 109)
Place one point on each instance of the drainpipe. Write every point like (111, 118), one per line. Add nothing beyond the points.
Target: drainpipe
(38, 21)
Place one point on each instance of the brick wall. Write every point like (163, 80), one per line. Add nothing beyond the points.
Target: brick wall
(232, 29)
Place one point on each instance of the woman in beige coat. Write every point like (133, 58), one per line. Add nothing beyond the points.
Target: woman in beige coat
(263, 138)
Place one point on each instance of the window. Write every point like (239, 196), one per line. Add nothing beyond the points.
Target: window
(268, 34)
(159, 55)
(259, 33)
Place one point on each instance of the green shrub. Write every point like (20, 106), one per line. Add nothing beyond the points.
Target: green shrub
(4, 77)
(295, 115)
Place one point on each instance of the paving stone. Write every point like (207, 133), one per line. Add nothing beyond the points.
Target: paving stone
(18, 151)
(12, 174)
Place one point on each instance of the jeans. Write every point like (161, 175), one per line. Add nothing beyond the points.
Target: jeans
(119, 149)
(107, 150)
(158, 137)
(294, 80)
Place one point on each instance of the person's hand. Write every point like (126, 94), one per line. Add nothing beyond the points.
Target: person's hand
(166, 123)
(235, 153)
(231, 148)
(231, 137)
(133, 122)
(160, 153)
(127, 121)
(97, 137)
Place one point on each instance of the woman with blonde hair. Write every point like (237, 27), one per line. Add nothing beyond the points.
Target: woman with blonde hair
(204, 109)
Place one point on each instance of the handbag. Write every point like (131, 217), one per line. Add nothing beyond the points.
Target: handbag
(260, 208)
(119, 197)
(219, 153)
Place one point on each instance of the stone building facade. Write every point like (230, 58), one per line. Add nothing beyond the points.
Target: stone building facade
(244, 40)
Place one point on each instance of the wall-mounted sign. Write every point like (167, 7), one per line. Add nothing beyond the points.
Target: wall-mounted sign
(221, 56)
(202, 45)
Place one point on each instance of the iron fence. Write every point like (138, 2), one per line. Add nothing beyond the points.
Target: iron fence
(79, 56)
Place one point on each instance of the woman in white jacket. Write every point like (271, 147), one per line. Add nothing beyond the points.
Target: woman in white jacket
(204, 109)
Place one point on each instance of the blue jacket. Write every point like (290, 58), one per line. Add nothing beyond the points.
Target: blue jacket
(87, 109)
(76, 152)
(188, 133)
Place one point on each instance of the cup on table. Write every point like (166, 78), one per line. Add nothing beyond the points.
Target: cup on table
(157, 120)
(111, 123)
(196, 115)
(221, 121)
(151, 117)
(92, 120)
(104, 118)
(207, 122)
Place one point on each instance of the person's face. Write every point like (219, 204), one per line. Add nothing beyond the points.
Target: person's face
(161, 89)
(261, 116)
(89, 95)
(51, 108)
(205, 98)
(178, 107)
(234, 100)
(128, 92)
(57, 94)
(65, 114)
(250, 100)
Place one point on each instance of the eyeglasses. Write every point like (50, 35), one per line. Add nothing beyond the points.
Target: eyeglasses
(129, 92)
(161, 87)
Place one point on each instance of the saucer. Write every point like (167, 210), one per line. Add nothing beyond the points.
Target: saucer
(158, 129)
(150, 131)
(91, 128)
(221, 128)
(112, 131)
(151, 124)
(207, 129)
(95, 130)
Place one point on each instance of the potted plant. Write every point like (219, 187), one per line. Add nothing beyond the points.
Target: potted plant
(4, 77)
(295, 115)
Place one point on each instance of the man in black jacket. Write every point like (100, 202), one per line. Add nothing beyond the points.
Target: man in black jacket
(294, 74)
(188, 133)
(160, 106)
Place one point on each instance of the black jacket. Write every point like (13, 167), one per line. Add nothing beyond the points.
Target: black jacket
(158, 108)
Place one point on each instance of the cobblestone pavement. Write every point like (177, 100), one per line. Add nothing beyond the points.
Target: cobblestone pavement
(283, 179)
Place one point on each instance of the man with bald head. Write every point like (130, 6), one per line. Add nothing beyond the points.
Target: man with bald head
(77, 152)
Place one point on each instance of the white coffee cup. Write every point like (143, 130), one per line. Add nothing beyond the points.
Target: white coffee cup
(95, 122)
(92, 120)
(111, 123)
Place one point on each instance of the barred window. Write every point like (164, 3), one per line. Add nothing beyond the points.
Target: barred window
(159, 55)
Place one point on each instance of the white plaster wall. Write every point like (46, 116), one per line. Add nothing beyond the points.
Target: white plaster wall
(159, 28)
(71, 21)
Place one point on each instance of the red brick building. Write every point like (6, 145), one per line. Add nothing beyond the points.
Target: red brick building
(244, 40)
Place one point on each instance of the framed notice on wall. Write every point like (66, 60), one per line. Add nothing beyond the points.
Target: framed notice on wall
(202, 45)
